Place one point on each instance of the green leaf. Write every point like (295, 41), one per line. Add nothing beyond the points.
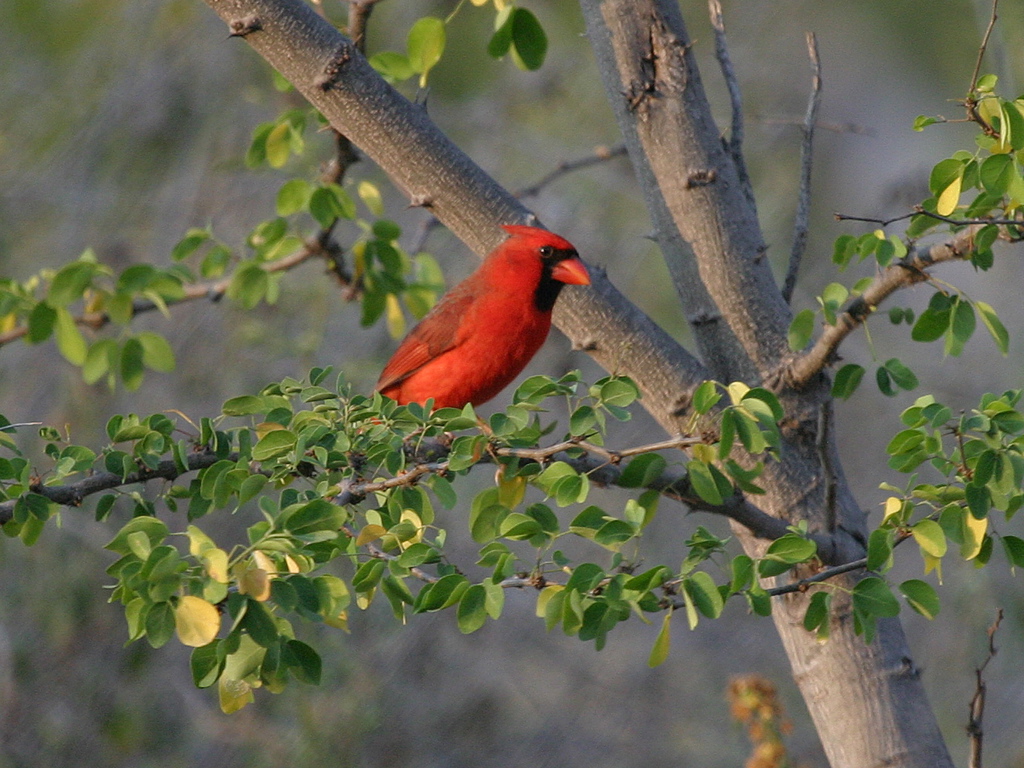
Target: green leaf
(995, 326)
(705, 594)
(331, 202)
(189, 244)
(847, 380)
(273, 444)
(706, 396)
(879, 550)
(873, 597)
(248, 285)
(294, 196)
(160, 624)
(662, 643)
(157, 354)
(425, 45)
(817, 616)
(921, 597)
(40, 322)
(996, 173)
(801, 329)
(903, 376)
(70, 283)
(1013, 546)
(961, 327)
(642, 470)
(131, 365)
(70, 341)
(472, 609)
(393, 66)
(206, 664)
(703, 481)
(529, 42)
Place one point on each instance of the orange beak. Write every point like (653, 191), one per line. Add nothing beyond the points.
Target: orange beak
(571, 271)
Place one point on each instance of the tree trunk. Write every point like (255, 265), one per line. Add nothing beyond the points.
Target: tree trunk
(866, 700)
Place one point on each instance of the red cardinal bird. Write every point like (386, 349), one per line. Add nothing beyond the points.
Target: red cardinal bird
(484, 331)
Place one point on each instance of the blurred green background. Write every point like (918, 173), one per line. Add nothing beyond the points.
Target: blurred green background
(124, 123)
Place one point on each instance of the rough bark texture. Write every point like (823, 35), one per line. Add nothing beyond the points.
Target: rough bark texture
(867, 701)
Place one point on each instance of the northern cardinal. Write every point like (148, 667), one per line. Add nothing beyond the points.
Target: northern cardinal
(484, 331)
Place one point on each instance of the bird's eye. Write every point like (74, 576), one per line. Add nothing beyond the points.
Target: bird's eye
(546, 251)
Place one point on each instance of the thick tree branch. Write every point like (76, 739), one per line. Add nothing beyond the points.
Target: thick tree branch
(73, 494)
(910, 270)
(398, 135)
(706, 227)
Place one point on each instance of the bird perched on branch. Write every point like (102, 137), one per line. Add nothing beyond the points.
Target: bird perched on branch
(484, 331)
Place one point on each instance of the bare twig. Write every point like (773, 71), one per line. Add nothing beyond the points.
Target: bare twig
(825, 575)
(918, 210)
(908, 271)
(803, 208)
(824, 125)
(735, 143)
(600, 155)
(977, 707)
(984, 46)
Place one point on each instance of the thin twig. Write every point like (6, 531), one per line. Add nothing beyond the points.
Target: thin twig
(735, 143)
(600, 155)
(919, 211)
(824, 125)
(977, 707)
(828, 573)
(984, 46)
(803, 208)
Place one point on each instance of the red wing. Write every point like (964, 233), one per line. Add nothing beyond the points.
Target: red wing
(434, 335)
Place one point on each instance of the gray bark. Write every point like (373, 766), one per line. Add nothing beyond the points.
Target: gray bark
(866, 700)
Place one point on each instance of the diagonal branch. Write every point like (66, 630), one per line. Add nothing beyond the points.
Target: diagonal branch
(803, 209)
(911, 270)
(735, 143)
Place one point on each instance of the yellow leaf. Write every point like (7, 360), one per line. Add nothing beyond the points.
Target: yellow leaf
(254, 582)
(370, 533)
(215, 561)
(932, 563)
(371, 197)
(196, 621)
(233, 694)
(293, 567)
(510, 491)
(892, 507)
(545, 596)
(277, 145)
(396, 320)
(409, 516)
(949, 198)
(974, 536)
(262, 560)
(662, 642)
(338, 622)
(736, 391)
